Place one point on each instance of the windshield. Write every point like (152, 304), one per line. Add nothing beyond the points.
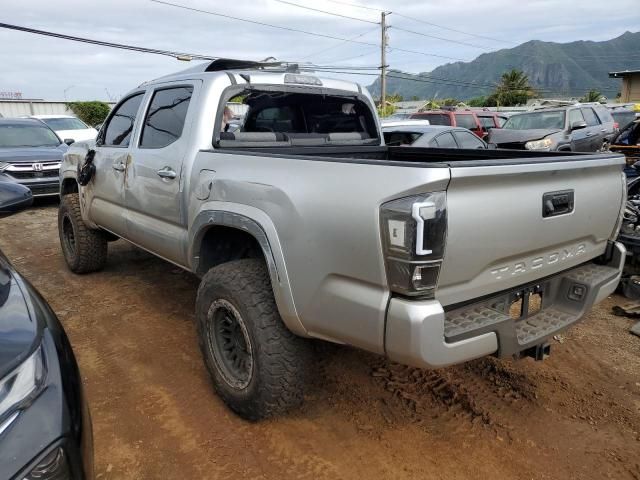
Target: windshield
(63, 123)
(530, 121)
(27, 135)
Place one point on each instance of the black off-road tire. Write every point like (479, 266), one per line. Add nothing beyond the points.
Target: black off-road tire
(240, 293)
(84, 249)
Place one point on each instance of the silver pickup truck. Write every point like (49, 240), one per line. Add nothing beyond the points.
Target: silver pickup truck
(304, 225)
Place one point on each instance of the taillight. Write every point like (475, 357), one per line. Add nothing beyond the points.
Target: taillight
(413, 237)
(616, 125)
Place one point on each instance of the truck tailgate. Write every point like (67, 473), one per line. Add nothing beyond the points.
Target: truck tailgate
(501, 235)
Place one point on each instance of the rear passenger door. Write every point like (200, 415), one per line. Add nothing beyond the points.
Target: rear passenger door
(156, 219)
(595, 132)
(105, 193)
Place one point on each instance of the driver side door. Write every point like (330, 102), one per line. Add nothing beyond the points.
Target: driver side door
(106, 190)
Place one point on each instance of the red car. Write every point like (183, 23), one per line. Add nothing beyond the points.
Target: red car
(454, 118)
(490, 119)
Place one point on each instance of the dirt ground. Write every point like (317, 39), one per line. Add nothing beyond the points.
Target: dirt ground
(574, 416)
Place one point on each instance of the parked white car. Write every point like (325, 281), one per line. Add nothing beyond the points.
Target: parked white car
(68, 126)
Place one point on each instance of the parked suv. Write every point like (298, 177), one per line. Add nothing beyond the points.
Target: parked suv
(578, 128)
(30, 153)
(304, 224)
(453, 118)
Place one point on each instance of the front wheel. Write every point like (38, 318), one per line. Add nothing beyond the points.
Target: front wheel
(258, 367)
(84, 249)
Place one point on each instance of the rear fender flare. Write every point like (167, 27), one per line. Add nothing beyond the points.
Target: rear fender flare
(259, 225)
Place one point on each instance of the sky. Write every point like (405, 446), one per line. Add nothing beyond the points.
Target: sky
(56, 69)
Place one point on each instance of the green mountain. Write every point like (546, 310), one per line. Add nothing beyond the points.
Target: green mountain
(554, 70)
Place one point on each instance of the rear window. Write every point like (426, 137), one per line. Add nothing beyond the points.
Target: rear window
(603, 114)
(400, 138)
(434, 118)
(590, 117)
(465, 121)
(311, 119)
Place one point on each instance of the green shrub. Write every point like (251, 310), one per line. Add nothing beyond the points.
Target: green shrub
(91, 113)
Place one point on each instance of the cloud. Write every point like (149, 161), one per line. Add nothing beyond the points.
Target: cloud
(43, 67)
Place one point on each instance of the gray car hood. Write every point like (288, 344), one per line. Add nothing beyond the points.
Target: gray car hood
(32, 154)
(504, 135)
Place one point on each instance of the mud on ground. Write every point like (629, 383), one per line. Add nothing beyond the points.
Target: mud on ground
(155, 416)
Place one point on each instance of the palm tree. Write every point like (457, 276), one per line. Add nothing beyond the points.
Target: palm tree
(591, 96)
(513, 89)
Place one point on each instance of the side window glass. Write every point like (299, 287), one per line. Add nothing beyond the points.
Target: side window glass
(468, 140)
(120, 127)
(575, 116)
(165, 118)
(590, 117)
(446, 140)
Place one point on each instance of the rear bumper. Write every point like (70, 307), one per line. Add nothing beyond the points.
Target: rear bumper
(422, 334)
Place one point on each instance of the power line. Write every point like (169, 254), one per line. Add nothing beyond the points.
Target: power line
(377, 23)
(295, 30)
(328, 13)
(179, 55)
(448, 28)
(420, 21)
(439, 38)
(356, 5)
(340, 43)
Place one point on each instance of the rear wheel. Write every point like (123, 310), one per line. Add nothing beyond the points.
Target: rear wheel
(258, 367)
(84, 249)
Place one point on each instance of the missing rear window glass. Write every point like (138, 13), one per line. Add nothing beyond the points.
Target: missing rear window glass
(282, 118)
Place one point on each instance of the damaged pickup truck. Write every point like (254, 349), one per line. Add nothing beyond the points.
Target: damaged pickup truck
(304, 225)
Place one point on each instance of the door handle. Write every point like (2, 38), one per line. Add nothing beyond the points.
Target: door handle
(603, 130)
(589, 134)
(120, 167)
(167, 172)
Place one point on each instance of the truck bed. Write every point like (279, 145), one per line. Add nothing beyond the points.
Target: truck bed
(413, 156)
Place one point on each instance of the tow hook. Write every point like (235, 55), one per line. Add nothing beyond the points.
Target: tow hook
(539, 352)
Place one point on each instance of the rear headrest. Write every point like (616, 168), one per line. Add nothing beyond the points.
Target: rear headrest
(342, 136)
(255, 136)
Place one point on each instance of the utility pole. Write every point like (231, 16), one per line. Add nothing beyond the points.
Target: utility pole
(383, 61)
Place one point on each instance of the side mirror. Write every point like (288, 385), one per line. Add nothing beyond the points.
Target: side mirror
(578, 124)
(13, 198)
(69, 141)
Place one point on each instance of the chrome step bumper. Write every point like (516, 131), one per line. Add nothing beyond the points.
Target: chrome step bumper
(421, 333)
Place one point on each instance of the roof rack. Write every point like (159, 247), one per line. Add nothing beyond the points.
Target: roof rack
(222, 64)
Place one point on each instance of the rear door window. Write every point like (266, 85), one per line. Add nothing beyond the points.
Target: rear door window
(165, 118)
(120, 127)
(446, 140)
(468, 140)
(465, 121)
(590, 117)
